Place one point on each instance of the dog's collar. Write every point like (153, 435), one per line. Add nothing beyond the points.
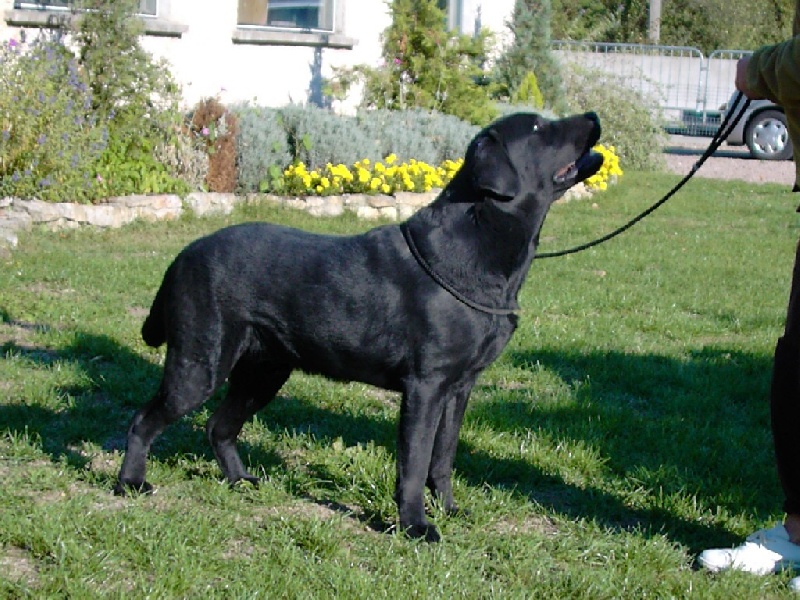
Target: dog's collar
(444, 284)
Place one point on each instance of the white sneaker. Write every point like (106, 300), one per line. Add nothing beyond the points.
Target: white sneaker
(765, 551)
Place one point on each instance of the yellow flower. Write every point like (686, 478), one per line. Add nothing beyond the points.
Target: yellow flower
(608, 172)
(391, 159)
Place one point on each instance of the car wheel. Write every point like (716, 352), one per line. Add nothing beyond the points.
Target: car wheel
(768, 137)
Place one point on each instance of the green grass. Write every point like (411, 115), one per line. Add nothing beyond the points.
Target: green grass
(623, 430)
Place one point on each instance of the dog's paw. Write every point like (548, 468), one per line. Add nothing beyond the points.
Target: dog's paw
(426, 531)
(124, 488)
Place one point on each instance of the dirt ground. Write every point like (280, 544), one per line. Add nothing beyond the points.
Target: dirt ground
(729, 162)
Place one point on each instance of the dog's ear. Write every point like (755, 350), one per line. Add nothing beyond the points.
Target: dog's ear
(493, 171)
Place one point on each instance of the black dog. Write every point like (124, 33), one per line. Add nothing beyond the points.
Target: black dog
(421, 308)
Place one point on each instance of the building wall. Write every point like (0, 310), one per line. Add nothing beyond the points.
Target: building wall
(210, 56)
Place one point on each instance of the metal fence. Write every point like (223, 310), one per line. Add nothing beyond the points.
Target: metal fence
(686, 89)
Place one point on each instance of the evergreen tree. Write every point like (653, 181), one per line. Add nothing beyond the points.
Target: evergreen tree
(427, 66)
(529, 53)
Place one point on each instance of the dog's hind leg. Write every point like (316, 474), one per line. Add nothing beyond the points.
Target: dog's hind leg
(251, 387)
(185, 386)
(444, 446)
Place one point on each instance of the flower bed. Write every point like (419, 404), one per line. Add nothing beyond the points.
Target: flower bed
(390, 178)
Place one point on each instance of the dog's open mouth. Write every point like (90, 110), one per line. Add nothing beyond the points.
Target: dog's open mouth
(586, 166)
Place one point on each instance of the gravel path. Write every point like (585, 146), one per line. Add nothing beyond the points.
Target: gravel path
(729, 162)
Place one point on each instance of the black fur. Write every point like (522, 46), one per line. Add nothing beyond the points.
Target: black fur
(251, 303)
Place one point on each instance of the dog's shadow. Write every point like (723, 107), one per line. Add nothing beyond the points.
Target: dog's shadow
(119, 380)
(114, 382)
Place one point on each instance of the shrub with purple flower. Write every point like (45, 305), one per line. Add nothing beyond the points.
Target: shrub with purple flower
(45, 149)
(89, 124)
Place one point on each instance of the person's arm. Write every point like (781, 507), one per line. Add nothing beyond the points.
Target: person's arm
(772, 72)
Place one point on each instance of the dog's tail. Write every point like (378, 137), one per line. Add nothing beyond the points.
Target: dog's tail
(154, 331)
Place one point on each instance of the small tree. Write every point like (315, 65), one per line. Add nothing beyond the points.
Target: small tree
(529, 53)
(425, 66)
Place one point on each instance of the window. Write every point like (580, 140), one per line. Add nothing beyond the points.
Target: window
(307, 15)
(146, 7)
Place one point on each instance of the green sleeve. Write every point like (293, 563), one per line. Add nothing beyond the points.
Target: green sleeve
(774, 72)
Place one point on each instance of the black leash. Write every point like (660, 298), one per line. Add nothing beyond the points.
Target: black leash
(722, 133)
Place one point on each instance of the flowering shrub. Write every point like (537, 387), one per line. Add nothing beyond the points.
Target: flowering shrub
(609, 172)
(49, 135)
(85, 121)
(385, 177)
(134, 94)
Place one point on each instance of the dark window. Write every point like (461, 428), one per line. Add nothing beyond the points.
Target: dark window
(287, 14)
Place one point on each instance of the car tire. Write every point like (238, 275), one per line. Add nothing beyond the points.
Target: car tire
(767, 136)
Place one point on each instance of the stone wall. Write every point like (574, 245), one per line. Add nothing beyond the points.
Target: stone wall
(21, 215)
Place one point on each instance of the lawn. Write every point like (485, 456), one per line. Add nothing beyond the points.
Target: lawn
(623, 430)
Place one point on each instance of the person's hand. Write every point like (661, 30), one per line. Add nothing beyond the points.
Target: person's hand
(741, 79)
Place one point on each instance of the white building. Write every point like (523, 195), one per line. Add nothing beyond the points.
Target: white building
(270, 52)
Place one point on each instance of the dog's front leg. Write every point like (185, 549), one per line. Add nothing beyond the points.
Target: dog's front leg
(420, 411)
(445, 444)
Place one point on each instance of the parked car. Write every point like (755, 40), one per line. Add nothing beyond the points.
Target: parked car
(762, 129)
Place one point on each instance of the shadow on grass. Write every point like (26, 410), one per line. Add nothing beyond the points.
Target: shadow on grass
(688, 422)
(118, 382)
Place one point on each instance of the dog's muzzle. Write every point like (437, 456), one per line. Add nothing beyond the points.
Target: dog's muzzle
(586, 166)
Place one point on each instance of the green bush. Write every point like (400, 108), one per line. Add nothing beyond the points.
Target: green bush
(270, 140)
(427, 136)
(185, 158)
(625, 115)
(317, 136)
(262, 150)
(49, 135)
(526, 72)
(425, 66)
(85, 127)
(528, 92)
(133, 93)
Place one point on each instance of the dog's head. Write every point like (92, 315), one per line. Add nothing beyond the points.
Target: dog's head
(525, 153)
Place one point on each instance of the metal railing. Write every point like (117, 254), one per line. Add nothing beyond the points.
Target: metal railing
(687, 89)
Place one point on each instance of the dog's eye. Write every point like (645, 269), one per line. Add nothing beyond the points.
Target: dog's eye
(535, 127)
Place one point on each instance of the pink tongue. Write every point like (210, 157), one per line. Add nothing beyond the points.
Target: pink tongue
(562, 173)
